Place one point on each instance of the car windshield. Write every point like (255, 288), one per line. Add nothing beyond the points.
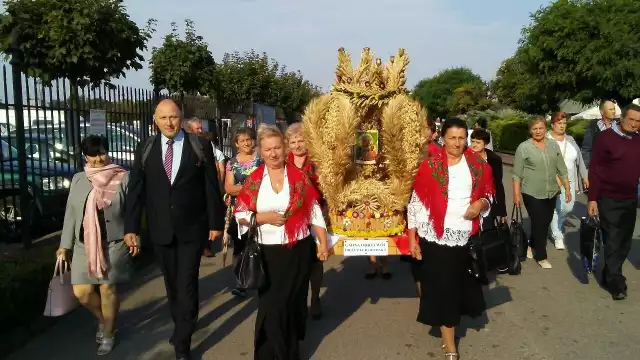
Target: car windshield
(8, 152)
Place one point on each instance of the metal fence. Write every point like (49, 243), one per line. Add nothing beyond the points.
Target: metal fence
(40, 132)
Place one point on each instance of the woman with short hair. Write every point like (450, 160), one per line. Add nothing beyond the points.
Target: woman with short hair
(285, 205)
(298, 156)
(538, 167)
(480, 138)
(575, 168)
(94, 231)
(238, 169)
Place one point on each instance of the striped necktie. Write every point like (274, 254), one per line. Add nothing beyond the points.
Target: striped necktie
(168, 159)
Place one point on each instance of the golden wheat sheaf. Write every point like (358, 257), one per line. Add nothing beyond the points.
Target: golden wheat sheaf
(403, 127)
(329, 125)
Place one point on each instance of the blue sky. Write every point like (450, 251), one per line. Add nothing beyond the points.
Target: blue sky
(305, 34)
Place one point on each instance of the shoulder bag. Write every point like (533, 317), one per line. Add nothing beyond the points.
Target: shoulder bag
(249, 269)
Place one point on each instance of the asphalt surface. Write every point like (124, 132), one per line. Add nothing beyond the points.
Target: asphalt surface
(542, 314)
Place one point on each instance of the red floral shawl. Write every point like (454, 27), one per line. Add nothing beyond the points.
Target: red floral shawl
(302, 196)
(308, 167)
(432, 182)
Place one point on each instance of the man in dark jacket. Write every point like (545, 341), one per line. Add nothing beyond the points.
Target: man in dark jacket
(608, 113)
(178, 186)
(613, 178)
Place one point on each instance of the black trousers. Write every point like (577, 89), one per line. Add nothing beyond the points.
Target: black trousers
(540, 213)
(180, 266)
(317, 273)
(617, 221)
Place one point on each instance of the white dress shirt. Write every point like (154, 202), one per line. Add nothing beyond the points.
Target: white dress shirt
(178, 145)
(217, 154)
(269, 200)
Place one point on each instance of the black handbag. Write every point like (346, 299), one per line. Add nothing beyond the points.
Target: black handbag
(496, 244)
(477, 266)
(590, 242)
(249, 269)
(519, 239)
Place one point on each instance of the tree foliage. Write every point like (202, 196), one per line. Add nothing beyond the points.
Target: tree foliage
(586, 50)
(435, 93)
(242, 77)
(469, 97)
(87, 42)
(515, 87)
(182, 65)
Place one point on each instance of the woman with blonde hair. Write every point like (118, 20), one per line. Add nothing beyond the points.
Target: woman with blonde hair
(538, 167)
(284, 204)
(298, 156)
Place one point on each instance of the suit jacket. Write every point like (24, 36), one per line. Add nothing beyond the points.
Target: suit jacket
(499, 208)
(591, 131)
(185, 210)
(112, 216)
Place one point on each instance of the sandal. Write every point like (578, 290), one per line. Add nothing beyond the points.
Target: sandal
(370, 276)
(451, 356)
(105, 346)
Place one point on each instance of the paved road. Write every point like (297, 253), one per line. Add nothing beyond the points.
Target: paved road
(541, 314)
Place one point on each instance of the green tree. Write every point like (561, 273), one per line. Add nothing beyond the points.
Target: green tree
(469, 97)
(182, 65)
(293, 92)
(86, 42)
(244, 77)
(435, 93)
(515, 87)
(586, 50)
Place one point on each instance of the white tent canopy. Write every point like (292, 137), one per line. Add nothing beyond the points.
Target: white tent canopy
(594, 112)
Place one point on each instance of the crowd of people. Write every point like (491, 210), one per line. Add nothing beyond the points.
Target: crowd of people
(179, 178)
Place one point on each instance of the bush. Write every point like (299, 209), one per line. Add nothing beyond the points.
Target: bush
(576, 128)
(24, 280)
(512, 133)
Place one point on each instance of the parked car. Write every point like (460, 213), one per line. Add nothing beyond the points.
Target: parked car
(43, 146)
(48, 185)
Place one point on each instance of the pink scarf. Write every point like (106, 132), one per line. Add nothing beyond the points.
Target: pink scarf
(105, 181)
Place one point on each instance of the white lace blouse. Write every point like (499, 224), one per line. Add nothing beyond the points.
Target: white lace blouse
(457, 229)
(269, 200)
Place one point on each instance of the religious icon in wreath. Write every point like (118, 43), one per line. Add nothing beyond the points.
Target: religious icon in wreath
(366, 147)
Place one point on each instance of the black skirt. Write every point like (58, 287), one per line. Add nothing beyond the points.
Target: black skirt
(448, 291)
(282, 303)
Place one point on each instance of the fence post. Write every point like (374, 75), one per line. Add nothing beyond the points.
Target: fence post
(25, 201)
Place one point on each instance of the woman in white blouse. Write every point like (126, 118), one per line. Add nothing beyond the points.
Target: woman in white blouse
(576, 170)
(285, 204)
(452, 190)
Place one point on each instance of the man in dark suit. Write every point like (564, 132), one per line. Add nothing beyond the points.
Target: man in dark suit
(181, 194)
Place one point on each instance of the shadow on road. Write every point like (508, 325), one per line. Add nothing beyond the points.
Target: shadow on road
(347, 291)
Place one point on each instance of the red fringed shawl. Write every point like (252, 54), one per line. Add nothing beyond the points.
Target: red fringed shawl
(432, 182)
(308, 167)
(302, 196)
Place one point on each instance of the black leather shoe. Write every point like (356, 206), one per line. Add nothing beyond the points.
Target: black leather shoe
(619, 296)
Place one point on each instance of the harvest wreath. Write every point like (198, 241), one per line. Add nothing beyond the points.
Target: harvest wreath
(366, 138)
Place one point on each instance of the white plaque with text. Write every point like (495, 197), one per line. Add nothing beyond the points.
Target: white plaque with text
(371, 247)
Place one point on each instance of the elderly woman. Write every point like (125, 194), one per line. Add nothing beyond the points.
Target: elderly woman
(238, 168)
(93, 230)
(575, 168)
(538, 167)
(452, 191)
(298, 156)
(285, 204)
(480, 138)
